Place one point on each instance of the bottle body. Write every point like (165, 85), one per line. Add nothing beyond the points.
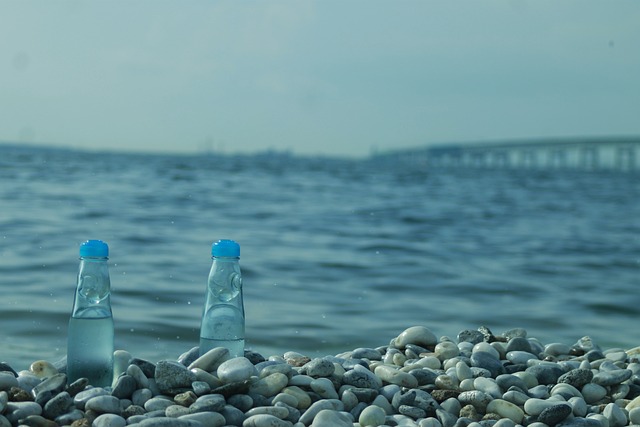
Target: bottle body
(223, 319)
(90, 341)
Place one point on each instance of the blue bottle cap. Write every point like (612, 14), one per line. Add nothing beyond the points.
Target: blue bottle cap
(225, 248)
(94, 249)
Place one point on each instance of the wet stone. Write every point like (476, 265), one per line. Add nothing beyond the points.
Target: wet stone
(104, 404)
(109, 420)
(53, 384)
(318, 368)
(237, 369)
(83, 397)
(518, 344)
(148, 368)
(546, 373)
(173, 377)
(232, 388)
(610, 378)
(37, 421)
(77, 386)
(58, 405)
(366, 353)
(576, 377)
(208, 403)
(124, 387)
(555, 414)
(488, 361)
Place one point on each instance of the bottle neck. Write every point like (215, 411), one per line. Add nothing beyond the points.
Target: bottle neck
(93, 289)
(225, 281)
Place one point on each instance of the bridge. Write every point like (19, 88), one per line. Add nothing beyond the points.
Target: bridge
(619, 153)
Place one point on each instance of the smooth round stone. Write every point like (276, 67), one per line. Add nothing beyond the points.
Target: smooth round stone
(19, 410)
(236, 370)
(536, 406)
(171, 377)
(35, 421)
(515, 397)
(361, 377)
(304, 401)
(610, 378)
(579, 406)
(157, 404)
(7, 380)
(506, 381)
(43, 369)
(392, 375)
(615, 415)
(318, 368)
(205, 419)
(325, 388)
(506, 409)
(164, 422)
(366, 353)
(593, 393)
(277, 411)
(26, 381)
(282, 368)
(124, 387)
(269, 385)
(445, 382)
(529, 379)
(486, 348)
(211, 360)
(109, 420)
(555, 414)
(577, 377)
(104, 404)
(635, 403)
(597, 420)
(634, 416)
(520, 357)
(141, 379)
(412, 411)
(54, 384)
(518, 344)
(372, 416)
(58, 405)
(301, 381)
(488, 386)
(557, 349)
(83, 397)
(446, 350)
(478, 399)
(463, 372)
(175, 411)
(546, 373)
(539, 392)
(309, 415)
(486, 360)
(208, 403)
(566, 390)
(140, 396)
(418, 335)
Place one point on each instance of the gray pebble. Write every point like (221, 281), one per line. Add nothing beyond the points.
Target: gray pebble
(109, 420)
(104, 405)
(315, 408)
(555, 414)
(546, 373)
(173, 377)
(610, 378)
(125, 386)
(366, 353)
(58, 405)
(318, 368)
(208, 403)
(486, 360)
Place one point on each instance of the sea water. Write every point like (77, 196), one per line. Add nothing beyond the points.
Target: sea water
(90, 350)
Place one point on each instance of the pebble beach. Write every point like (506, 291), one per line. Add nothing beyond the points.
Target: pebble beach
(476, 379)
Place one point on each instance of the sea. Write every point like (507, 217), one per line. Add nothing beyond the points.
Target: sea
(336, 253)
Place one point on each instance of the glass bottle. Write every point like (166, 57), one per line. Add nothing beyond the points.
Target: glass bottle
(90, 335)
(223, 316)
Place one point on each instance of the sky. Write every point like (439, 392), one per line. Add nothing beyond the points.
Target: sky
(347, 77)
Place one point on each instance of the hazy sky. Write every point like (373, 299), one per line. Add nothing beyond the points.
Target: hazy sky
(324, 77)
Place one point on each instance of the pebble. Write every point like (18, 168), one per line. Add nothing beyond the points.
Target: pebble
(482, 380)
(235, 370)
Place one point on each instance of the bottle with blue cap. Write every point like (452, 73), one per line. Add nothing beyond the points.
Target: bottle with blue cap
(223, 316)
(90, 334)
